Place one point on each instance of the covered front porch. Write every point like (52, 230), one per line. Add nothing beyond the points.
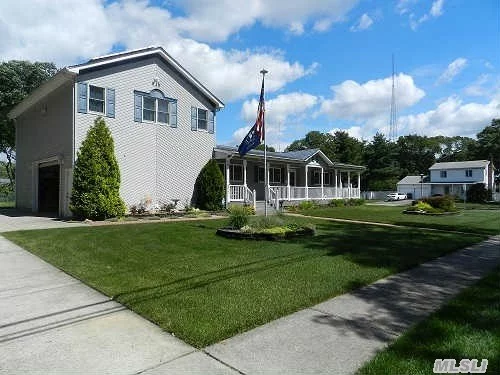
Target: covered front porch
(291, 176)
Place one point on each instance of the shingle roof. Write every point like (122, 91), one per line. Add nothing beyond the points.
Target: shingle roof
(411, 180)
(460, 164)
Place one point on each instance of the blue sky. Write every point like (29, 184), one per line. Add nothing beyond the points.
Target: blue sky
(329, 61)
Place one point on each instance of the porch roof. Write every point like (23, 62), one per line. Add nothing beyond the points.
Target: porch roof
(301, 156)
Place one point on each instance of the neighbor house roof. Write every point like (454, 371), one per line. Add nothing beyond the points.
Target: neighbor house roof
(298, 156)
(67, 75)
(460, 164)
(410, 180)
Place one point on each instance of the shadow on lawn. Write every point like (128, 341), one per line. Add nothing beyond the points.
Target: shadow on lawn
(384, 310)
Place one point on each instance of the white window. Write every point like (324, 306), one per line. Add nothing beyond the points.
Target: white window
(260, 175)
(468, 173)
(202, 119)
(97, 99)
(443, 174)
(274, 175)
(155, 110)
(236, 173)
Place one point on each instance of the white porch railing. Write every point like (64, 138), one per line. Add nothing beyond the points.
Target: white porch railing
(316, 192)
(241, 193)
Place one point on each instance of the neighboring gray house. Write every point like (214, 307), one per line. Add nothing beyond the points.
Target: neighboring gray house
(162, 120)
(449, 178)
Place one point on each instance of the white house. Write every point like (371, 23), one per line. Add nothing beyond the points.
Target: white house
(449, 178)
(163, 122)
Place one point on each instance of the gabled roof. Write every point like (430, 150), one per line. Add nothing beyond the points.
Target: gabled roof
(68, 74)
(460, 164)
(412, 180)
(301, 156)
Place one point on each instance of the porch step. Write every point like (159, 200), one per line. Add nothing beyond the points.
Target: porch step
(260, 207)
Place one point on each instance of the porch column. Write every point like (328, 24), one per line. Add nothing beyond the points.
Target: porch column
(307, 188)
(359, 184)
(341, 187)
(288, 181)
(349, 183)
(268, 182)
(322, 181)
(228, 193)
(245, 172)
(336, 191)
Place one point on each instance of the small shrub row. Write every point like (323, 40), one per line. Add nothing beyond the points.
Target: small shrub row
(445, 203)
(346, 202)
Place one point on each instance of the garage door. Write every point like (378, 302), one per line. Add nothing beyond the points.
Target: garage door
(48, 189)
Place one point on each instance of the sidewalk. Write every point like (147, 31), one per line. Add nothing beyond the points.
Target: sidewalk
(52, 323)
(339, 335)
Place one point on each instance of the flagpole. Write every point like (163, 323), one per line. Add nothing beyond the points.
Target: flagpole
(266, 182)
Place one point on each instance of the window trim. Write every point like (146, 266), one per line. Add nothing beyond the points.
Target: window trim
(259, 181)
(272, 175)
(104, 100)
(198, 129)
(443, 174)
(155, 111)
(468, 172)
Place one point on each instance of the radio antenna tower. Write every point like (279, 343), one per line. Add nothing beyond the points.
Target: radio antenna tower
(393, 121)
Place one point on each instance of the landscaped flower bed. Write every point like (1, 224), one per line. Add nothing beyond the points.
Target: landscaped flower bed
(433, 206)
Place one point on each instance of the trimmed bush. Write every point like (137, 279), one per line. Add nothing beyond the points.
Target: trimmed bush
(209, 187)
(336, 203)
(445, 203)
(307, 205)
(96, 180)
(478, 193)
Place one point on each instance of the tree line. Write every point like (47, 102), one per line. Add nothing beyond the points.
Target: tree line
(388, 162)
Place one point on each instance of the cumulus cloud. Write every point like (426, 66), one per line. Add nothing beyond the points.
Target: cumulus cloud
(453, 69)
(283, 114)
(452, 117)
(59, 32)
(354, 101)
(205, 20)
(364, 22)
(437, 8)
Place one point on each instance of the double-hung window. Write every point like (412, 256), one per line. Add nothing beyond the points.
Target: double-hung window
(97, 99)
(155, 110)
(236, 173)
(202, 120)
(468, 173)
(155, 107)
(274, 175)
(443, 174)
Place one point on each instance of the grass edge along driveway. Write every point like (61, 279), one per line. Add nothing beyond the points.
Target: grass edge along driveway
(204, 288)
(467, 327)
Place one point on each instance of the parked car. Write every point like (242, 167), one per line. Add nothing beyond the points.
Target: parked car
(396, 196)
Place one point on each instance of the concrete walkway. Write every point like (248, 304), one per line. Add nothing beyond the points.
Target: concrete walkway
(52, 323)
(11, 219)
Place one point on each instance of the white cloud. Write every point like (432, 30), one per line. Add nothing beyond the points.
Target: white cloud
(354, 131)
(437, 8)
(403, 6)
(354, 101)
(453, 69)
(296, 28)
(323, 25)
(452, 117)
(479, 86)
(283, 113)
(69, 31)
(205, 20)
(435, 12)
(364, 22)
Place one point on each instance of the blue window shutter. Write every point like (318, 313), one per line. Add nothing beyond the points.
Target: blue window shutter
(173, 113)
(137, 107)
(211, 118)
(110, 102)
(82, 97)
(194, 118)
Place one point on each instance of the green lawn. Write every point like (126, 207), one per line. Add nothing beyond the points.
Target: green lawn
(467, 327)
(205, 288)
(7, 204)
(473, 220)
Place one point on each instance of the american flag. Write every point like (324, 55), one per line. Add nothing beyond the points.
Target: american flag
(257, 133)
